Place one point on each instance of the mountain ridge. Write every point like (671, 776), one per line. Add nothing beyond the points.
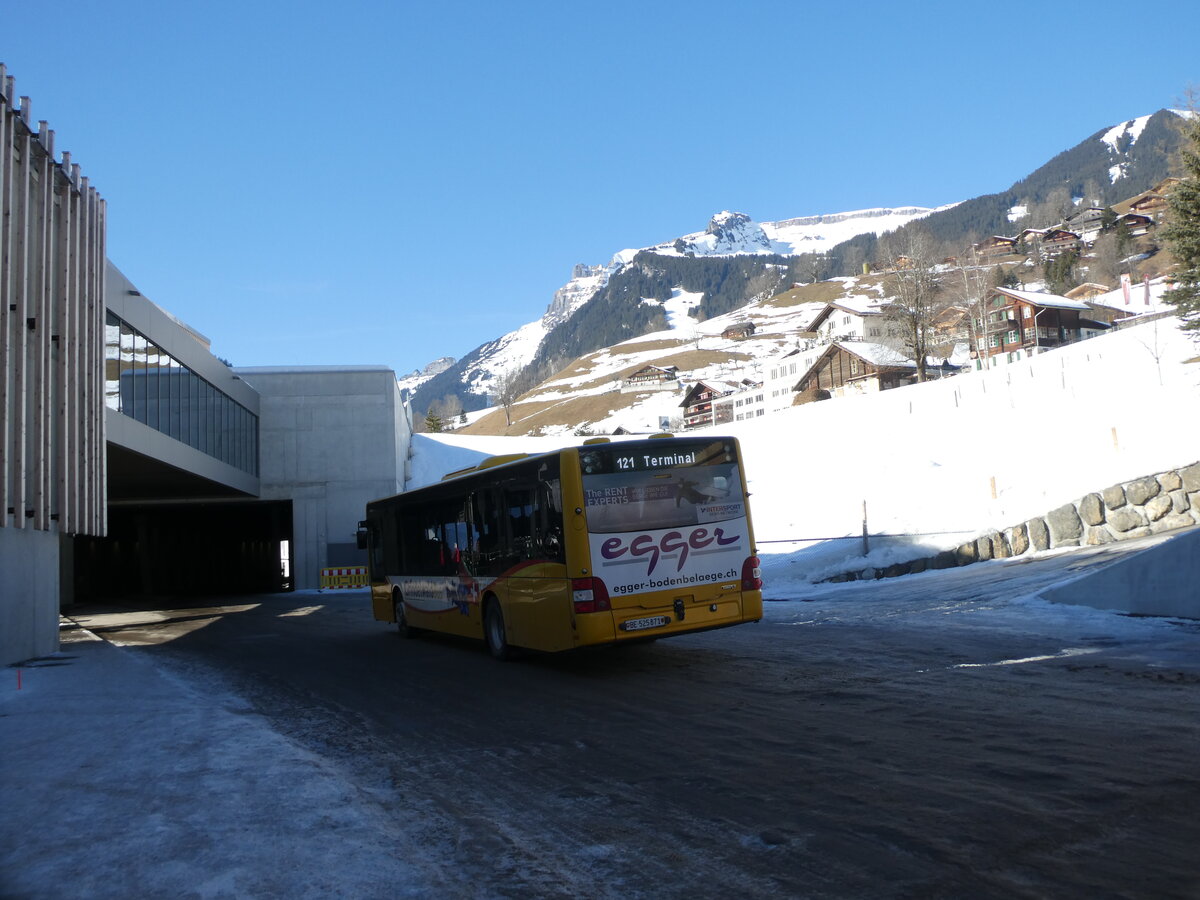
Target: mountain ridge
(736, 260)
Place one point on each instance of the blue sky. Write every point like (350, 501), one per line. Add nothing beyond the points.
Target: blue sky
(390, 182)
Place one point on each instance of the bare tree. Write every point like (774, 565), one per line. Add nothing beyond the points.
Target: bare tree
(972, 284)
(507, 388)
(917, 296)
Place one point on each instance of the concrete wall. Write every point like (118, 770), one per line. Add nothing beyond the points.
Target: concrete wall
(1159, 581)
(29, 561)
(332, 439)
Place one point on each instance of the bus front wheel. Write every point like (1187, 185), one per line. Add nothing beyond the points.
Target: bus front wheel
(495, 632)
(402, 627)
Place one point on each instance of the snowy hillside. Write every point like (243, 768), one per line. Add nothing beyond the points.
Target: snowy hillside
(728, 234)
(1120, 140)
(588, 393)
(941, 461)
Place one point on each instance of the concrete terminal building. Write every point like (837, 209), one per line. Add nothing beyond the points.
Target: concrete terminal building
(134, 461)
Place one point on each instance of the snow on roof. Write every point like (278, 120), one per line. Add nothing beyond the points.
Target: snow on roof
(1039, 298)
(876, 354)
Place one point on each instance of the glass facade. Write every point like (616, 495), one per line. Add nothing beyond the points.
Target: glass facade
(146, 383)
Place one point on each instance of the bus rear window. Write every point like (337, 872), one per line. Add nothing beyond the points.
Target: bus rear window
(641, 487)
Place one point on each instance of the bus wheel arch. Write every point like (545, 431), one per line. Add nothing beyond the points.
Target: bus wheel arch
(402, 627)
(495, 632)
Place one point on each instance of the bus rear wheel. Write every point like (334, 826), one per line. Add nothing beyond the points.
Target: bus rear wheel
(402, 627)
(494, 631)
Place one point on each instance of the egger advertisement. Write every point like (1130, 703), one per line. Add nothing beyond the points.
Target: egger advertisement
(653, 531)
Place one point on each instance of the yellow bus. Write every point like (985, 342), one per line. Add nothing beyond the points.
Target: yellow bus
(597, 544)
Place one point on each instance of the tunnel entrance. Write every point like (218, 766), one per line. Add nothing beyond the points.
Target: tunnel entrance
(216, 547)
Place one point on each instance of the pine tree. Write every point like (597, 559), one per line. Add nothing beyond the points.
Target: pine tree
(433, 422)
(1182, 231)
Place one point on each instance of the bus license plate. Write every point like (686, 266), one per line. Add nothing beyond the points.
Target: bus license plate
(649, 622)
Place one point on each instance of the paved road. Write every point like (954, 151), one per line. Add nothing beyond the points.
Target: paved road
(922, 737)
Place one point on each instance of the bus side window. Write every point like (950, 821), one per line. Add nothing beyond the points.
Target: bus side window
(410, 545)
(519, 504)
(490, 542)
(379, 535)
(550, 520)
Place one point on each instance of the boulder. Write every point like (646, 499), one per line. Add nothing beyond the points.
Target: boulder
(1180, 502)
(1157, 507)
(1190, 476)
(1114, 497)
(983, 547)
(1018, 539)
(1000, 547)
(1170, 481)
(967, 553)
(1098, 534)
(947, 559)
(1039, 536)
(1091, 509)
(1065, 526)
(1171, 522)
(1138, 492)
(1126, 520)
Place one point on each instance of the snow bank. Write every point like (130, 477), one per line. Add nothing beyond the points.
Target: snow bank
(939, 463)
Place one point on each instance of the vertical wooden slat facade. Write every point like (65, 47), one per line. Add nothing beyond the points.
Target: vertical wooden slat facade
(52, 255)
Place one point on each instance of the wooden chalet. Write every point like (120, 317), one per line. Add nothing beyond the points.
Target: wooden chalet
(1138, 224)
(1153, 203)
(857, 367)
(1028, 237)
(996, 245)
(1058, 241)
(1030, 321)
(698, 402)
(1084, 220)
(745, 402)
(651, 378)
(841, 321)
(739, 330)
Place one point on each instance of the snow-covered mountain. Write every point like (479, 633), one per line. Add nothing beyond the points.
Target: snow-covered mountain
(1121, 139)
(727, 234)
(1111, 165)
(733, 233)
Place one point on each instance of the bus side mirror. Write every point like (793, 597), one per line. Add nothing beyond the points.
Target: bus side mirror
(361, 535)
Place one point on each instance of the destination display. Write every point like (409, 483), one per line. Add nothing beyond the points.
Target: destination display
(644, 456)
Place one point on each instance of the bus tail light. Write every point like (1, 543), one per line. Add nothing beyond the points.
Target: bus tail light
(751, 574)
(590, 595)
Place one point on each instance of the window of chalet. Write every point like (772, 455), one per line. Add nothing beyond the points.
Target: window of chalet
(1028, 312)
(1012, 337)
(853, 366)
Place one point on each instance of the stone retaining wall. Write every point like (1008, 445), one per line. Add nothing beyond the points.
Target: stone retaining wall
(1132, 509)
